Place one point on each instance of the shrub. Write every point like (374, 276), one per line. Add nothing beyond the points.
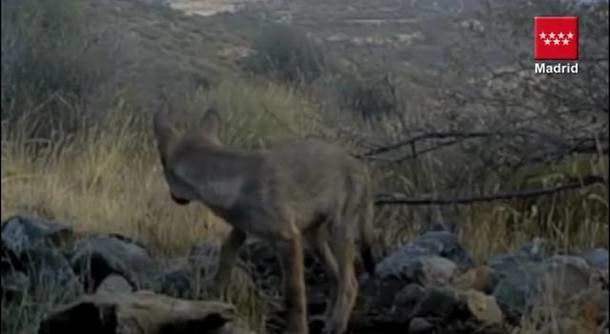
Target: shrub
(370, 96)
(47, 65)
(287, 53)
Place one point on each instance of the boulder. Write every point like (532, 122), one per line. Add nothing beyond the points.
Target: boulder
(597, 258)
(15, 285)
(32, 253)
(425, 270)
(528, 284)
(429, 260)
(97, 257)
(21, 235)
(431, 310)
(177, 282)
(142, 312)
(420, 326)
(480, 278)
(436, 243)
(114, 284)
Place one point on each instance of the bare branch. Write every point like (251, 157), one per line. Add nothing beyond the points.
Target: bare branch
(389, 199)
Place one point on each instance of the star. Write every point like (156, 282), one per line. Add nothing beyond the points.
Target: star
(547, 42)
(552, 35)
(570, 35)
(566, 41)
(560, 35)
(556, 42)
(542, 35)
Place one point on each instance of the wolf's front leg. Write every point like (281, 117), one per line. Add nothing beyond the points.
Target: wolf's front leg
(228, 256)
(291, 254)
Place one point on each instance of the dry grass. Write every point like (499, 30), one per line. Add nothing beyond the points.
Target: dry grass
(107, 179)
(98, 183)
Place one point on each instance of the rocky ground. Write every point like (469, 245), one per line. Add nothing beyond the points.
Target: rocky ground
(112, 284)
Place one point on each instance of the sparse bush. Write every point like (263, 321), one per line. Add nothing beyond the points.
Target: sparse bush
(255, 113)
(287, 53)
(370, 96)
(50, 63)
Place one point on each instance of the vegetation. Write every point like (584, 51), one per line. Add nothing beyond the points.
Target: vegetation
(287, 53)
(444, 132)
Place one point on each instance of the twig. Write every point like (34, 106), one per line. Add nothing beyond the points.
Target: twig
(388, 199)
(435, 135)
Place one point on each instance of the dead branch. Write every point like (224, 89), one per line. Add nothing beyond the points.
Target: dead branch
(433, 135)
(389, 199)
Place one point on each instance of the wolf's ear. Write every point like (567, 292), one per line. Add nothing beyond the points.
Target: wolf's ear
(164, 132)
(211, 122)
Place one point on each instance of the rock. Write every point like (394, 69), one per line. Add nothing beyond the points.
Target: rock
(114, 284)
(483, 307)
(436, 302)
(437, 243)
(445, 308)
(205, 255)
(261, 260)
(31, 252)
(432, 260)
(528, 255)
(479, 278)
(22, 234)
(426, 261)
(179, 282)
(142, 312)
(445, 302)
(420, 326)
(597, 258)
(49, 270)
(97, 257)
(535, 249)
(425, 270)
(529, 283)
(15, 285)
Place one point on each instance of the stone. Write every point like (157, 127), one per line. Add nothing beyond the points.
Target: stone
(97, 257)
(15, 285)
(114, 284)
(142, 312)
(479, 278)
(22, 234)
(31, 252)
(420, 326)
(597, 258)
(529, 283)
(178, 282)
(484, 308)
(48, 269)
(425, 270)
(437, 243)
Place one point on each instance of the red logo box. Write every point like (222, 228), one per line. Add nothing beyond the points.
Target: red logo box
(556, 38)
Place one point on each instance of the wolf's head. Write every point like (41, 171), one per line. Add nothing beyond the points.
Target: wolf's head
(171, 146)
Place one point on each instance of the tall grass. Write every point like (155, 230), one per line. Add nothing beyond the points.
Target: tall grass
(104, 176)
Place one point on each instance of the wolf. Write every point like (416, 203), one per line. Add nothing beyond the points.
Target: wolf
(296, 192)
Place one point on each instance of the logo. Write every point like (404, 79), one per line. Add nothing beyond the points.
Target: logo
(556, 38)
